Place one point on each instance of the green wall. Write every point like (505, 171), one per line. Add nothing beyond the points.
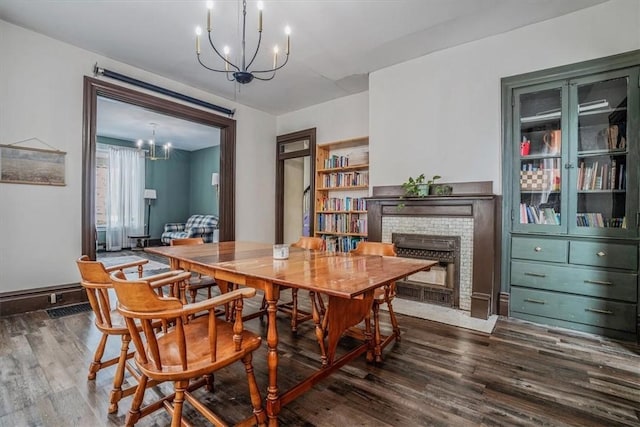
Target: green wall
(182, 184)
(203, 198)
(172, 180)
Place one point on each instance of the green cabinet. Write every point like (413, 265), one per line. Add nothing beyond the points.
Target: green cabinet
(571, 195)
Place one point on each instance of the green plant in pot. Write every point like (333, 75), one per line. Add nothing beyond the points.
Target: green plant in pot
(441, 189)
(419, 186)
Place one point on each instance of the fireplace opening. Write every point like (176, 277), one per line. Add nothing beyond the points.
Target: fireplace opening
(440, 285)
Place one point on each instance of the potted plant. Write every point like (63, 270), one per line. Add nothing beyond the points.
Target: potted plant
(441, 189)
(418, 187)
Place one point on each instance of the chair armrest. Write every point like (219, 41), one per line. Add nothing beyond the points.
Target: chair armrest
(126, 265)
(173, 226)
(218, 300)
(168, 278)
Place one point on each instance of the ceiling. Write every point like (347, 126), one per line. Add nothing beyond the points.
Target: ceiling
(335, 44)
(120, 120)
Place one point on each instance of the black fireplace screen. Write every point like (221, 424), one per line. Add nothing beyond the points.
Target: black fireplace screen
(445, 250)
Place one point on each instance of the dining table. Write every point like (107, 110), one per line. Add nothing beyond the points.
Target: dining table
(347, 281)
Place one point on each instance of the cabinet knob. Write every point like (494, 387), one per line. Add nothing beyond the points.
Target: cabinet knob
(537, 249)
(601, 253)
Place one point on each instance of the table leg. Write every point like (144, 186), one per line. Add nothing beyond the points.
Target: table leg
(317, 319)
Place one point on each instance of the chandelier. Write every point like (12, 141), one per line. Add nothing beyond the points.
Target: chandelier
(150, 153)
(242, 74)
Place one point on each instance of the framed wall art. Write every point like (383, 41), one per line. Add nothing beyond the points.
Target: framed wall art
(23, 165)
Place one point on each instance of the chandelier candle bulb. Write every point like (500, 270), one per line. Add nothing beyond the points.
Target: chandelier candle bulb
(260, 6)
(209, 9)
(275, 57)
(198, 32)
(287, 31)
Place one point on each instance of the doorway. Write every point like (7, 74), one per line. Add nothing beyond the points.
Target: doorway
(94, 88)
(169, 178)
(295, 172)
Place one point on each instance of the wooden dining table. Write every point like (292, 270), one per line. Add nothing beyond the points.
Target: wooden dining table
(348, 282)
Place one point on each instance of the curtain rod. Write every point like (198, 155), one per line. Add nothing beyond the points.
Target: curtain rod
(117, 76)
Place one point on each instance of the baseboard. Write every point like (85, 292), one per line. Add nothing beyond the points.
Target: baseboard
(38, 299)
(503, 309)
(480, 305)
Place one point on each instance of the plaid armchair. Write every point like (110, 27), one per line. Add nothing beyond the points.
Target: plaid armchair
(196, 226)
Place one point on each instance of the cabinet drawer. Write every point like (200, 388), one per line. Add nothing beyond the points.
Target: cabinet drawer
(539, 249)
(575, 308)
(582, 281)
(613, 255)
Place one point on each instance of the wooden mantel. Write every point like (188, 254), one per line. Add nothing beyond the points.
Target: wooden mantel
(474, 200)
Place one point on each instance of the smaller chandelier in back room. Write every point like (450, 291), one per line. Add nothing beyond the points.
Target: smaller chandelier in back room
(242, 73)
(150, 152)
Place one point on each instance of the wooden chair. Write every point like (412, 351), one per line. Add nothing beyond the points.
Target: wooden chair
(193, 349)
(381, 295)
(197, 282)
(291, 307)
(97, 283)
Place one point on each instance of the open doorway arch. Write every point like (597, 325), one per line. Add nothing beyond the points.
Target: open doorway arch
(94, 88)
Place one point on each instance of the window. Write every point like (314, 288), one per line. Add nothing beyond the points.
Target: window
(102, 185)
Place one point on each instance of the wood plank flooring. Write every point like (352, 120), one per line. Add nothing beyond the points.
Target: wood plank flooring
(439, 375)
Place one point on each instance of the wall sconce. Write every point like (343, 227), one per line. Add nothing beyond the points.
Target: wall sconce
(215, 182)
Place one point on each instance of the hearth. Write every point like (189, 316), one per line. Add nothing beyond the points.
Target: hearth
(441, 285)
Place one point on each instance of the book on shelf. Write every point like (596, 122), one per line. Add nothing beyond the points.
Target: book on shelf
(335, 161)
(597, 220)
(612, 179)
(345, 179)
(343, 204)
(341, 223)
(538, 215)
(596, 176)
(341, 243)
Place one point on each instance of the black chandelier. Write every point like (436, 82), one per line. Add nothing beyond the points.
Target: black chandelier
(242, 74)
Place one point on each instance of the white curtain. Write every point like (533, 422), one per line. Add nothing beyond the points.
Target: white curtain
(125, 199)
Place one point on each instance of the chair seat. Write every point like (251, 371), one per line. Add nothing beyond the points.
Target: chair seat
(118, 325)
(199, 354)
(200, 282)
(379, 296)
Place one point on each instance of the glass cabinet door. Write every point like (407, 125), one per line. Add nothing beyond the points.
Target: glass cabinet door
(604, 172)
(539, 143)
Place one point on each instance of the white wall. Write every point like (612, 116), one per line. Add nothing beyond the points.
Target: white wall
(41, 83)
(440, 114)
(342, 118)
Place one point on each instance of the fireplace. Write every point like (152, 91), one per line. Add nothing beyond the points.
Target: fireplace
(469, 277)
(440, 285)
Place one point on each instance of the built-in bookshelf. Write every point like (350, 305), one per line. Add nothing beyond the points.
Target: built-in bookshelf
(342, 184)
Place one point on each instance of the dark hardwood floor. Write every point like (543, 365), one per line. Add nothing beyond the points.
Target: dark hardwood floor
(439, 375)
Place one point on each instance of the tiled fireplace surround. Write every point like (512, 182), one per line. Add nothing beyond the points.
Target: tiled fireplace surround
(470, 212)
